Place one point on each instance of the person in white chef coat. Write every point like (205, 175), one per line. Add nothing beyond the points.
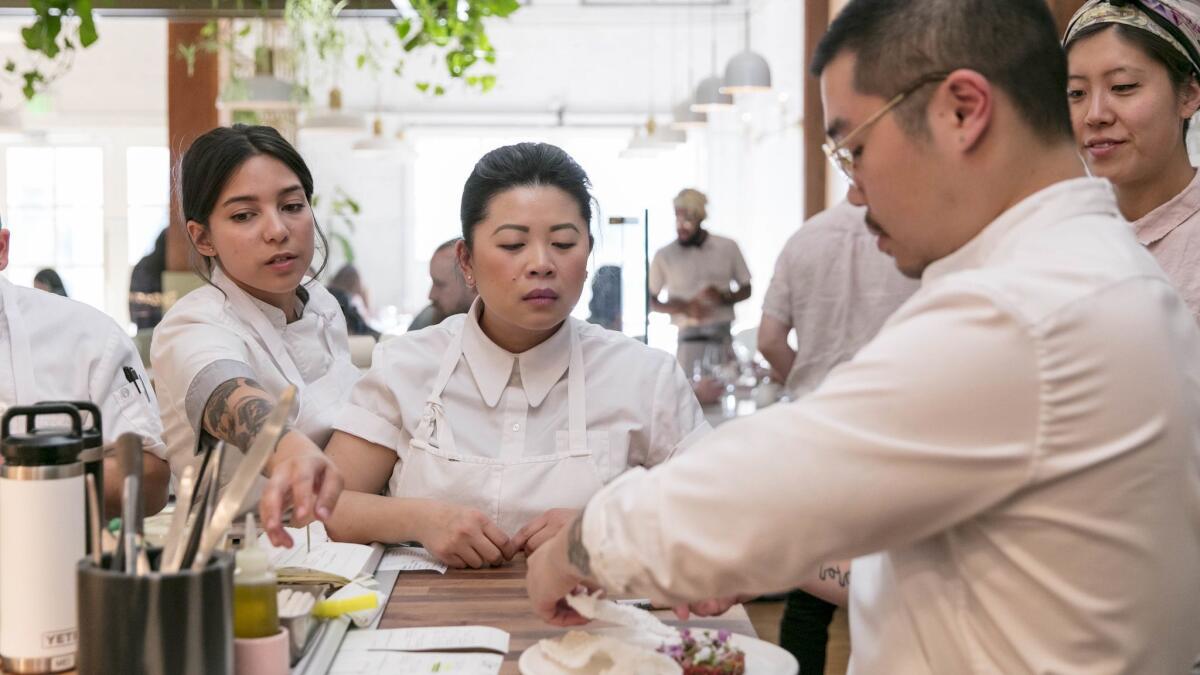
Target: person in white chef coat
(1013, 462)
(56, 349)
(225, 352)
(482, 435)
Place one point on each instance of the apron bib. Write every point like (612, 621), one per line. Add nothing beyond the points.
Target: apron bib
(511, 491)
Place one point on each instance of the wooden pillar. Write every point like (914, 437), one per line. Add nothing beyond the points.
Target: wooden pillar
(816, 20)
(191, 111)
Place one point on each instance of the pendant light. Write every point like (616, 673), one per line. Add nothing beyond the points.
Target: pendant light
(747, 72)
(334, 119)
(264, 91)
(684, 118)
(376, 143)
(656, 137)
(650, 140)
(709, 97)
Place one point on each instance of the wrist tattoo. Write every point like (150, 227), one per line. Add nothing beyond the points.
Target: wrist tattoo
(835, 572)
(577, 553)
(233, 418)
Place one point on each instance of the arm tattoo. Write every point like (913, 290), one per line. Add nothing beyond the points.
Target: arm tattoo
(577, 553)
(835, 572)
(236, 419)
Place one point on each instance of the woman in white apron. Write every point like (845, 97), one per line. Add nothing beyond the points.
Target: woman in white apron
(224, 353)
(486, 432)
(1134, 87)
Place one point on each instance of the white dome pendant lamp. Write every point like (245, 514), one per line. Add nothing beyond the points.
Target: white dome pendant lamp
(709, 98)
(747, 72)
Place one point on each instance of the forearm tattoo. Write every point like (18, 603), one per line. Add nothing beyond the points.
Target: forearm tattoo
(236, 418)
(577, 553)
(835, 572)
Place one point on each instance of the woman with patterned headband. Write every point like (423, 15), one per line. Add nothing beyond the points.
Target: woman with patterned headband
(1133, 89)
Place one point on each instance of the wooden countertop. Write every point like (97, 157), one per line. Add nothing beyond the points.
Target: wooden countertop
(496, 597)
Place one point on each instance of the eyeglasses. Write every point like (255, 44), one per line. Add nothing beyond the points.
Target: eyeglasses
(841, 156)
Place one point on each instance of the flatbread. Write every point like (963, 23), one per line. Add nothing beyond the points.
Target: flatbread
(597, 608)
(585, 654)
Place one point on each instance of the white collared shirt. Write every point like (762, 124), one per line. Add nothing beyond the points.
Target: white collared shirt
(1014, 462)
(504, 405)
(75, 353)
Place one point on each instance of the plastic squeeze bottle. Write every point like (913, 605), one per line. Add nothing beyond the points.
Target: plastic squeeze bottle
(255, 589)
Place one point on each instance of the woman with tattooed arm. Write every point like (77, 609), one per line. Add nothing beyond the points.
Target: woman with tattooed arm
(224, 353)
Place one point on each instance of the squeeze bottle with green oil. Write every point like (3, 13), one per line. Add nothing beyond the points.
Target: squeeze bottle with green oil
(255, 590)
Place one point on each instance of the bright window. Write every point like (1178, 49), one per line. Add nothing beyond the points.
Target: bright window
(56, 215)
(148, 197)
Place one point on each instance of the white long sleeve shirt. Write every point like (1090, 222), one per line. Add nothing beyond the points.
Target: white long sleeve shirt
(1014, 462)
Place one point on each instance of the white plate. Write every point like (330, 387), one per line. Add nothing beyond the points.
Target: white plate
(762, 658)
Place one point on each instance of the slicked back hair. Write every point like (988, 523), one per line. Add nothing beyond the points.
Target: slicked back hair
(1013, 43)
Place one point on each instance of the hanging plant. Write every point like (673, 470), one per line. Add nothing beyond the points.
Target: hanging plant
(316, 36)
(457, 27)
(59, 28)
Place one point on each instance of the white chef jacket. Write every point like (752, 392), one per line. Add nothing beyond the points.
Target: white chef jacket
(1014, 461)
(640, 407)
(219, 332)
(56, 349)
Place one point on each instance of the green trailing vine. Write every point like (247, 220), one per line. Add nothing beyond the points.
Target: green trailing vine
(455, 27)
(59, 28)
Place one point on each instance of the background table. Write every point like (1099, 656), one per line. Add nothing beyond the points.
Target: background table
(496, 597)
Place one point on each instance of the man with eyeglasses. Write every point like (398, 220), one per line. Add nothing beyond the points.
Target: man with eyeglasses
(1013, 463)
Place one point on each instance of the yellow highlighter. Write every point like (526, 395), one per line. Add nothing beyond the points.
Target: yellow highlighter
(329, 609)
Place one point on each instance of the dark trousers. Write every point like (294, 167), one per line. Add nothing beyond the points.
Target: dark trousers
(804, 630)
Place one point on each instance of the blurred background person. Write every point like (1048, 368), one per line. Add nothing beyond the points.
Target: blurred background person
(835, 289)
(146, 285)
(347, 287)
(704, 276)
(1133, 91)
(604, 309)
(49, 281)
(449, 292)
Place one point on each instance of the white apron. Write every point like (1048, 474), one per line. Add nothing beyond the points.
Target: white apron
(320, 399)
(510, 490)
